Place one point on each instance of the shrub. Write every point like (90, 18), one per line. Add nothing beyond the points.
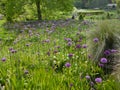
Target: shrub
(108, 34)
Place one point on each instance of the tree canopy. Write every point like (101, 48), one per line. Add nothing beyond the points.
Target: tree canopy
(43, 8)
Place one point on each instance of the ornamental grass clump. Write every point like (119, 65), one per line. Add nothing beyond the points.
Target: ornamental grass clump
(102, 41)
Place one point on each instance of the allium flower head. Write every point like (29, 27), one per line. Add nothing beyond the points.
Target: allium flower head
(13, 51)
(103, 60)
(70, 55)
(98, 80)
(84, 46)
(26, 72)
(114, 51)
(69, 43)
(107, 52)
(68, 64)
(3, 59)
(95, 39)
(101, 65)
(71, 84)
(87, 77)
(78, 46)
(91, 83)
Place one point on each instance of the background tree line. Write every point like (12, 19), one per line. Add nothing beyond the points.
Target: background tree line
(92, 3)
(46, 9)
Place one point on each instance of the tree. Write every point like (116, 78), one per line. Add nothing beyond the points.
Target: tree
(52, 6)
(11, 8)
(44, 8)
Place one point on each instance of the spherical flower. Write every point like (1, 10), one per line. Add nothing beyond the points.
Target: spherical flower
(69, 43)
(107, 52)
(95, 39)
(78, 46)
(68, 39)
(67, 64)
(98, 80)
(89, 56)
(84, 46)
(101, 65)
(3, 59)
(48, 53)
(47, 40)
(103, 60)
(87, 77)
(114, 51)
(71, 84)
(91, 83)
(13, 51)
(26, 72)
(10, 49)
(70, 55)
(55, 51)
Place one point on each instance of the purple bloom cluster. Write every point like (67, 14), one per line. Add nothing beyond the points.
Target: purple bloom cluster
(26, 72)
(78, 46)
(87, 77)
(107, 52)
(67, 64)
(12, 50)
(114, 51)
(84, 46)
(95, 39)
(68, 39)
(98, 80)
(69, 43)
(70, 55)
(103, 60)
(3, 59)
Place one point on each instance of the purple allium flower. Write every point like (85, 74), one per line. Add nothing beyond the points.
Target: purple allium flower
(68, 39)
(91, 83)
(70, 55)
(98, 80)
(114, 51)
(55, 51)
(101, 65)
(4, 59)
(69, 43)
(10, 49)
(71, 84)
(26, 72)
(13, 51)
(107, 52)
(48, 53)
(95, 39)
(57, 46)
(89, 56)
(84, 46)
(47, 40)
(103, 60)
(87, 77)
(78, 46)
(68, 64)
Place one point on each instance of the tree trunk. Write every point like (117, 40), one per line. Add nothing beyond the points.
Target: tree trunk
(38, 10)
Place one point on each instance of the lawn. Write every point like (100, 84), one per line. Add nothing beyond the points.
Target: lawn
(50, 55)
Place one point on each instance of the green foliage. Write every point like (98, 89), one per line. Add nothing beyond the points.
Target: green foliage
(48, 8)
(81, 16)
(11, 9)
(106, 30)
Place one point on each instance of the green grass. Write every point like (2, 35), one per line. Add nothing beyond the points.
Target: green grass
(31, 68)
